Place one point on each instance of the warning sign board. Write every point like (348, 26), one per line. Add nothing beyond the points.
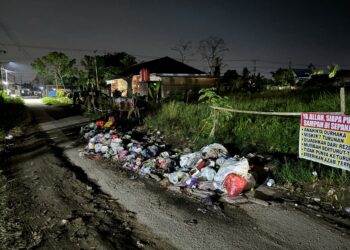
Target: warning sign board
(325, 138)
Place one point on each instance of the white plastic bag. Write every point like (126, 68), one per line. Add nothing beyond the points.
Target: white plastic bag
(178, 177)
(98, 147)
(214, 150)
(190, 160)
(239, 167)
(208, 173)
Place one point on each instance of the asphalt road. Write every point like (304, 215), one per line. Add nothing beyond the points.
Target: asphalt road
(66, 202)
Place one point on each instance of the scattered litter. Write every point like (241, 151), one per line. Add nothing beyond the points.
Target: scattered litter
(331, 192)
(64, 222)
(271, 183)
(317, 199)
(347, 209)
(206, 173)
(8, 137)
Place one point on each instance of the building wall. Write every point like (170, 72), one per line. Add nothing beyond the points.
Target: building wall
(171, 84)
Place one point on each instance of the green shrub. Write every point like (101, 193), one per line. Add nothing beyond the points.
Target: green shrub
(57, 100)
(12, 112)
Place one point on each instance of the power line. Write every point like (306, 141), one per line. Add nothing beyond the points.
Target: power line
(14, 40)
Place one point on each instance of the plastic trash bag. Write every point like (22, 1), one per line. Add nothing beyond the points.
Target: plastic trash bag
(108, 124)
(114, 136)
(117, 140)
(251, 183)
(163, 163)
(145, 170)
(145, 154)
(164, 154)
(151, 163)
(192, 183)
(234, 185)
(100, 123)
(208, 173)
(98, 147)
(190, 160)
(116, 147)
(153, 150)
(104, 149)
(92, 126)
(214, 150)
(98, 138)
(177, 177)
(91, 146)
(239, 167)
(122, 154)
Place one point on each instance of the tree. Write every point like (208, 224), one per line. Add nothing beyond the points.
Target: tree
(332, 70)
(107, 66)
(212, 51)
(231, 80)
(56, 67)
(184, 48)
(284, 77)
(314, 71)
(245, 74)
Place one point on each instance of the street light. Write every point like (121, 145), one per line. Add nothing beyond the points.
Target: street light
(6, 82)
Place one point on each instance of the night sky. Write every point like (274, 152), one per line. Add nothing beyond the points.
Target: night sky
(274, 32)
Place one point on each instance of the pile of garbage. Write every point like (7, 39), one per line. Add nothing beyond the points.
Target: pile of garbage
(210, 169)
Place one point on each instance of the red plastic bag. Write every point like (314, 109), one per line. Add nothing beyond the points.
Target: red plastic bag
(100, 123)
(234, 185)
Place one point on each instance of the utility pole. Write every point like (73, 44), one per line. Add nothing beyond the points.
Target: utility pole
(254, 66)
(97, 84)
(290, 63)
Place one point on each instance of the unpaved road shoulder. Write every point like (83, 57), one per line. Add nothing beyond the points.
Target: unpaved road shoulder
(176, 218)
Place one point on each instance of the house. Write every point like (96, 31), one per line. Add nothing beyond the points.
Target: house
(164, 76)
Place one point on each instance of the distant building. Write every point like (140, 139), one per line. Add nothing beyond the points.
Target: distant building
(164, 76)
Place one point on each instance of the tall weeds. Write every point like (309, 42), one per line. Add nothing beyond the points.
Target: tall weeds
(265, 134)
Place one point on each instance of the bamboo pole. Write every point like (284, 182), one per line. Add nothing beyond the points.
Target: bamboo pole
(212, 132)
(264, 113)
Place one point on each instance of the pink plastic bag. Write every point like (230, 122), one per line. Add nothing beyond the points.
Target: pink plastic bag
(234, 185)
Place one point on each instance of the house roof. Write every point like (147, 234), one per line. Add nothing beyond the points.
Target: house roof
(302, 73)
(164, 65)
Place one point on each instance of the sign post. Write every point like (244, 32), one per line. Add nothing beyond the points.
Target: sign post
(325, 138)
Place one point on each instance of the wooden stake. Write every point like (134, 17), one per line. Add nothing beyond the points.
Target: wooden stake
(342, 100)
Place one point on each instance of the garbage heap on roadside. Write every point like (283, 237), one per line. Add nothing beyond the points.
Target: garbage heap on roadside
(211, 168)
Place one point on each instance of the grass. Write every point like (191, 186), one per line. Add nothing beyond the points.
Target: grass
(294, 172)
(56, 100)
(12, 113)
(265, 134)
(255, 133)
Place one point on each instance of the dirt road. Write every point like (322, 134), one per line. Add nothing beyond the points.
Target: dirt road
(55, 204)
(63, 201)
